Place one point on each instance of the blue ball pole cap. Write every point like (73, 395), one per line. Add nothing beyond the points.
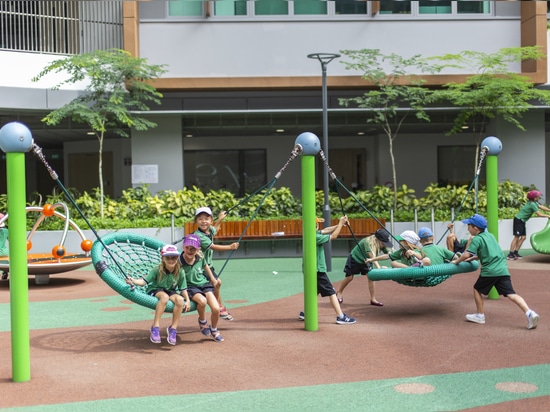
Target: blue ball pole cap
(493, 144)
(310, 143)
(15, 137)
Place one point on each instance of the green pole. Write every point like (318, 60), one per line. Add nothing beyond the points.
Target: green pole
(310, 244)
(494, 147)
(15, 140)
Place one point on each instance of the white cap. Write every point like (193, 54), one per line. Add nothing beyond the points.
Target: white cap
(410, 237)
(205, 209)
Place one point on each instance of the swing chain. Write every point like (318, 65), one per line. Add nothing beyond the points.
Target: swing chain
(293, 155)
(482, 154)
(38, 152)
(324, 159)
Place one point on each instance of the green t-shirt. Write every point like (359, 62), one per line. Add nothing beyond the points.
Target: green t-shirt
(206, 244)
(491, 257)
(321, 240)
(195, 273)
(399, 256)
(168, 282)
(527, 211)
(4, 250)
(361, 251)
(437, 254)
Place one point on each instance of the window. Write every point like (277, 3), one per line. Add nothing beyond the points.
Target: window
(424, 7)
(456, 165)
(240, 172)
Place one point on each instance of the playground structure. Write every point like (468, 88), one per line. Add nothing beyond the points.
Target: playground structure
(540, 241)
(42, 265)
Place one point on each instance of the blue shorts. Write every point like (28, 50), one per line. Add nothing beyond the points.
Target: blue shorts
(503, 285)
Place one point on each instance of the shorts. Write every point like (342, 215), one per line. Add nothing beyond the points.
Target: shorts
(324, 285)
(353, 267)
(167, 291)
(203, 290)
(503, 285)
(459, 246)
(519, 227)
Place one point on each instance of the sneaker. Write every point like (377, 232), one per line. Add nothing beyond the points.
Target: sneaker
(171, 335)
(476, 318)
(533, 320)
(203, 326)
(511, 256)
(301, 316)
(155, 334)
(215, 333)
(518, 256)
(416, 265)
(345, 319)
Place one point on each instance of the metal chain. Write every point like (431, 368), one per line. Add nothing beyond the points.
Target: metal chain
(324, 159)
(293, 155)
(482, 154)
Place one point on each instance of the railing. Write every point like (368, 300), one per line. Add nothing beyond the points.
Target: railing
(60, 27)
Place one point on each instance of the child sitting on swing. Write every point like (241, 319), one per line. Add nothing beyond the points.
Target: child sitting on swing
(410, 253)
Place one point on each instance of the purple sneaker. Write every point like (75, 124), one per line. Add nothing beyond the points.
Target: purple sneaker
(155, 334)
(171, 335)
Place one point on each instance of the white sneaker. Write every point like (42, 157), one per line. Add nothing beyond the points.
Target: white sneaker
(476, 318)
(533, 319)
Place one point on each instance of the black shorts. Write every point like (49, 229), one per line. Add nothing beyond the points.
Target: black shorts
(352, 267)
(324, 285)
(458, 246)
(203, 290)
(519, 227)
(168, 292)
(503, 285)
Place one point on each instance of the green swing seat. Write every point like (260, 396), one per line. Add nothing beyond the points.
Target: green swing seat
(425, 276)
(540, 241)
(128, 255)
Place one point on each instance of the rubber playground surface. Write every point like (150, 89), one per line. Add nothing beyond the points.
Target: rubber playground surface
(90, 348)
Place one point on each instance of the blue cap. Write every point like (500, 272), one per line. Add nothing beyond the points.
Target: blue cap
(425, 232)
(476, 220)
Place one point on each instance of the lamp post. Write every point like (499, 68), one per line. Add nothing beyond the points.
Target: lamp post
(325, 59)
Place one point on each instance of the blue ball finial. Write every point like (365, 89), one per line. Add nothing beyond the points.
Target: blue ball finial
(310, 143)
(493, 144)
(15, 137)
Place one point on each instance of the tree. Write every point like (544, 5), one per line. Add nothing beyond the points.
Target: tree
(116, 85)
(493, 91)
(397, 92)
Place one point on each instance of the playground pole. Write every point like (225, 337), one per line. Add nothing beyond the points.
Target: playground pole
(310, 147)
(15, 140)
(494, 147)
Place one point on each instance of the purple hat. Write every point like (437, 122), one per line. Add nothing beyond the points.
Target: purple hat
(193, 241)
(476, 220)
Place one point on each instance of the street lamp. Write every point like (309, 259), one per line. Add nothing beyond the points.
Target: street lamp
(325, 59)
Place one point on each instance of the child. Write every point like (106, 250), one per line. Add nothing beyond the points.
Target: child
(200, 285)
(494, 271)
(324, 286)
(368, 247)
(206, 231)
(4, 251)
(408, 255)
(435, 253)
(521, 218)
(453, 243)
(166, 282)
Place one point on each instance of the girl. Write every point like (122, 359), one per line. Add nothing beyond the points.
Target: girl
(408, 255)
(166, 282)
(368, 247)
(201, 283)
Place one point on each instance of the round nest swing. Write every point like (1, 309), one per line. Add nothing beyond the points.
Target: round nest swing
(425, 276)
(128, 255)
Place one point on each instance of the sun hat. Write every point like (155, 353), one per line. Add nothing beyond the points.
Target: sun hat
(476, 220)
(533, 194)
(319, 220)
(425, 232)
(204, 209)
(193, 241)
(383, 236)
(169, 250)
(410, 237)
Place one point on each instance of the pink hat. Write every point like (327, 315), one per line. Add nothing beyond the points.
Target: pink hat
(193, 241)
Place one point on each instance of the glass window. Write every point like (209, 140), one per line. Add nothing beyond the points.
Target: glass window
(456, 165)
(240, 172)
(395, 7)
(270, 7)
(466, 7)
(350, 7)
(230, 8)
(184, 8)
(435, 7)
(302, 7)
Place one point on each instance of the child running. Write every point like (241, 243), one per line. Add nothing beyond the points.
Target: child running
(206, 230)
(166, 282)
(200, 286)
(494, 271)
(368, 247)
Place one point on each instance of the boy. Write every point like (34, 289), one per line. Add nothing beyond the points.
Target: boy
(324, 286)
(435, 253)
(494, 271)
(521, 218)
